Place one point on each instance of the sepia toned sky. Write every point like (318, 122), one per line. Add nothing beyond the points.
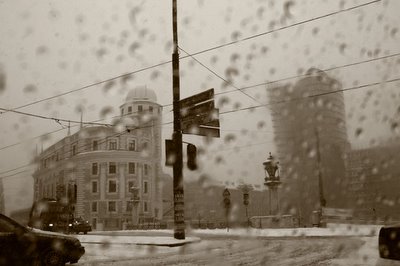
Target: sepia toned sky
(49, 48)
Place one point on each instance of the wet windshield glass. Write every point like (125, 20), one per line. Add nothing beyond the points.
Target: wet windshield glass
(220, 121)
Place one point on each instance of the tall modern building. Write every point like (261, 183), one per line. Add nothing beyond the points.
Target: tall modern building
(99, 168)
(310, 135)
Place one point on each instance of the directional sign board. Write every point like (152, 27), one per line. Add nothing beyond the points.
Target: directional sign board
(199, 116)
(197, 98)
(208, 119)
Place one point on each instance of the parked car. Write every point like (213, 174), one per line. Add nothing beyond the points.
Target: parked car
(389, 242)
(20, 245)
(80, 225)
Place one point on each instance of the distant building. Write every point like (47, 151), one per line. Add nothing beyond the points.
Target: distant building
(96, 167)
(204, 204)
(307, 128)
(374, 183)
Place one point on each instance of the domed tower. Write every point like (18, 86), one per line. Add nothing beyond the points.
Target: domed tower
(141, 114)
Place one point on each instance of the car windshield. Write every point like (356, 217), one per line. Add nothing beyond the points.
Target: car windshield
(8, 226)
(221, 123)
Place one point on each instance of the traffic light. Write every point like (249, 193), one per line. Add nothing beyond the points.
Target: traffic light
(227, 198)
(246, 198)
(191, 156)
(170, 155)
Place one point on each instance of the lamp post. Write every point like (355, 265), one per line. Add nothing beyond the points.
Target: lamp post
(227, 204)
(135, 205)
(245, 191)
(272, 181)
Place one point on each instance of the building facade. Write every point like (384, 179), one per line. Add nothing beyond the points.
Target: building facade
(100, 168)
(311, 140)
(374, 175)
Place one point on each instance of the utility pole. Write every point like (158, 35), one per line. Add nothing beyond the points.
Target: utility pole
(322, 200)
(179, 214)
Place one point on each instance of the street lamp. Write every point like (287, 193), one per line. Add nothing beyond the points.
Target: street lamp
(245, 191)
(272, 181)
(135, 205)
(227, 204)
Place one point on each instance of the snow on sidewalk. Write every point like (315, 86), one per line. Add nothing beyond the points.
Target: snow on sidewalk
(136, 240)
(165, 238)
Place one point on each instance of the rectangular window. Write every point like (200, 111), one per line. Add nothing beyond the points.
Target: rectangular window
(73, 149)
(145, 207)
(95, 169)
(112, 206)
(112, 168)
(95, 145)
(122, 111)
(113, 145)
(145, 187)
(94, 206)
(145, 146)
(145, 169)
(150, 109)
(131, 168)
(140, 108)
(94, 187)
(132, 145)
(129, 109)
(112, 186)
(129, 206)
(130, 186)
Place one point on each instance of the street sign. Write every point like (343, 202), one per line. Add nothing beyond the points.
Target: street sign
(208, 119)
(195, 110)
(199, 115)
(202, 131)
(197, 98)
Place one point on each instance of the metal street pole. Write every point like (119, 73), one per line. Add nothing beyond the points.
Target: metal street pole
(322, 200)
(320, 182)
(179, 215)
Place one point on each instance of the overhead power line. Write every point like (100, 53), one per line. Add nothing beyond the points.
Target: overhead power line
(284, 27)
(262, 105)
(312, 96)
(225, 92)
(10, 175)
(304, 75)
(196, 53)
(54, 118)
(219, 76)
(17, 168)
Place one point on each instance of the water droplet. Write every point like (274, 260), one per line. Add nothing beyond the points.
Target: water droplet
(342, 48)
(2, 80)
(30, 88)
(358, 132)
(106, 111)
(133, 48)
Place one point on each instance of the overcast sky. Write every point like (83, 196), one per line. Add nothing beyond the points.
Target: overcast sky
(51, 47)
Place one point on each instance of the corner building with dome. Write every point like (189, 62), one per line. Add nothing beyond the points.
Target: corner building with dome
(97, 167)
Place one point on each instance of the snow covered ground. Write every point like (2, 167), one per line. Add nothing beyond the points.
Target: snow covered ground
(336, 245)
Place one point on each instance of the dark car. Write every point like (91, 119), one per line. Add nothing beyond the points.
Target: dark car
(80, 225)
(20, 245)
(389, 242)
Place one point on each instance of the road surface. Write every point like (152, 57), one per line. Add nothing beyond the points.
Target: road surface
(343, 251)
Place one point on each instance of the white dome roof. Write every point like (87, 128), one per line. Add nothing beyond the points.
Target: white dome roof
(141, 94)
